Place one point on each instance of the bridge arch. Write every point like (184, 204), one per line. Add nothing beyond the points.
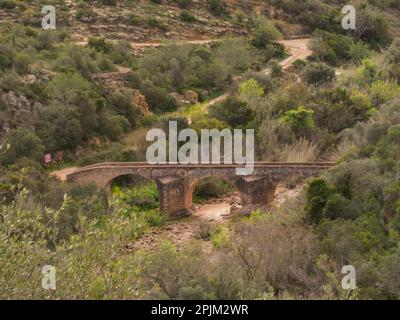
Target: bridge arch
(229, 181)
(128, 180)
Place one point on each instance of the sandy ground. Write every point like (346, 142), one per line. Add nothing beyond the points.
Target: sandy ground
(298, 49)
(62, 174)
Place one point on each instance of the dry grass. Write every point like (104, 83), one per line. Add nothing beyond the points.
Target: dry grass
(302, 151)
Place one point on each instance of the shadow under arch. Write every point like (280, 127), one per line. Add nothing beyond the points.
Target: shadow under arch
(144, 190)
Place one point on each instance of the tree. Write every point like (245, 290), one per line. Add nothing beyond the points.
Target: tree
(251, 88)
(275, 67)
(58, 129)
(68, 88)
(264, 33)
(23, 143)
(300, 120)
(393, 60)
(158, 98)
(234, 112)
(217, 7)
(372, 27)
(123, 105)
(318, 73)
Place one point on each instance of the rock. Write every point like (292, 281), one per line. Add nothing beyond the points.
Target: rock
(179, 98)
(17, 105)
(191, 96)
(30, 78)
(95, 142)
(243, 211)
(140, 101)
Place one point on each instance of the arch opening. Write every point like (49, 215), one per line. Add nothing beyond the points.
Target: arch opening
(138, 196)
(213, 198)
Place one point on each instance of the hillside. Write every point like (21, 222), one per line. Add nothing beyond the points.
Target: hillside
(90, 91)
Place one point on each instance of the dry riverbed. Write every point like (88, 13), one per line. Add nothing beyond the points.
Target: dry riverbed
(181, 232)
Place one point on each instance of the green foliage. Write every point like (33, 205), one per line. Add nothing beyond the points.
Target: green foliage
(109, 2)
(183, 3)
(217, 7)
(367, 72)
(123, 105)
(187, 16)
(251, 87)
(211, 188)
(300, 120)
(100, 45)
(234, 112)
(220, 238)
(264, 33)
(393, 60)
(330, 47)
(7, 4)
(158, 98)
(317, 194)
(318, 73)
(23, 143)
(372, 28)
(359, 51)
(276, 68)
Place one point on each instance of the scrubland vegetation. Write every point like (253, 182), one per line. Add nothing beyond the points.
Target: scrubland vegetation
(342, 104)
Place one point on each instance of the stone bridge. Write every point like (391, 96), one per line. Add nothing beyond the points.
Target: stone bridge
(176, 182)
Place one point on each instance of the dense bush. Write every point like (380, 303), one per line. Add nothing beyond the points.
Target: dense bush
(234, 112)
(217, 7)
(318, 73)
(264, 33)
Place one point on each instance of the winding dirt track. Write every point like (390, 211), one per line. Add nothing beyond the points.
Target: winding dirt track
(298, 49)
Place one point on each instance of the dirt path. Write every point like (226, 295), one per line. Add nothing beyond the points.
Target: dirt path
(62, 173)
(155, 44)
(298, 49)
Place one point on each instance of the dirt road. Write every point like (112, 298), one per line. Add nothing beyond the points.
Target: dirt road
(298, 49)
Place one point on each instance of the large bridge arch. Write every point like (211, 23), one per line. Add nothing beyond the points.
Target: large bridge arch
(232, 181)
(140, 178)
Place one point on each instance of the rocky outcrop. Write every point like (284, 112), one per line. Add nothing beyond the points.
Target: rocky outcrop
(140, 100)
(118, 81)
(18, 105)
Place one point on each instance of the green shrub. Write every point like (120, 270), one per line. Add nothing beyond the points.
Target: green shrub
(7, 4)
(100, 45)
(264, 33)
(109, 2)
(154, 217)
(186, 16)
(234, 112)
(318, 73)
(211, 188)
(183, 3)
(23, 143)
(85, 14)
(217, 7)
(300, 120)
